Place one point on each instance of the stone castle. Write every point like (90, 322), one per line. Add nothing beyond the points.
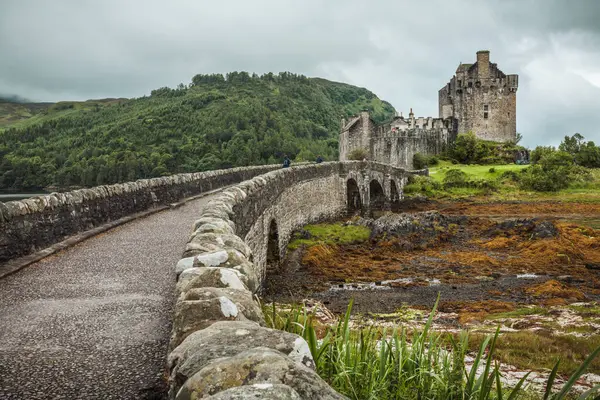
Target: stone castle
(479, 98)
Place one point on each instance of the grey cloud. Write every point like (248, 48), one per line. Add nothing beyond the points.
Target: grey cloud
(403, 51)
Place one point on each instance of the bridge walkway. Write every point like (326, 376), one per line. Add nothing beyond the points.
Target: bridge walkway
(93, 321)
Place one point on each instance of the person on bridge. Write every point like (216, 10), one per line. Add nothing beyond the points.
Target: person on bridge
(286, 161)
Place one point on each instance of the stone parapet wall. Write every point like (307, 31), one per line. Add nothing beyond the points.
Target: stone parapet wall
(220, 347)
(33, 224)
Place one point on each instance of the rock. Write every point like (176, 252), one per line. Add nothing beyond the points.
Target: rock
(213, 259)
(223, 339)
(212, 277)
(264, 391)
(591, 266)
(225, 241)
(256, 366)
(213, 225)
(209, 259)
(186, 276)
(199, 308)
(544, 229)
(565, 278)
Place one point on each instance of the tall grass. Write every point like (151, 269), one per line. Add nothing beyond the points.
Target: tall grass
(424, 364)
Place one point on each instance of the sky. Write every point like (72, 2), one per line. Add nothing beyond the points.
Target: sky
(404, 51)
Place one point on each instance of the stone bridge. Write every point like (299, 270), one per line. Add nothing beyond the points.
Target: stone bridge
(93, 320)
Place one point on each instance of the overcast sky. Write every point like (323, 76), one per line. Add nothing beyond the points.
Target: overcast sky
(404, 51)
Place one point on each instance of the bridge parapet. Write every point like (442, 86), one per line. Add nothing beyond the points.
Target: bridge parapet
(36, 223)
(227, 257)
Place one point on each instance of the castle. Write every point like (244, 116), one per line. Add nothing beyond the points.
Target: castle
(479, 98)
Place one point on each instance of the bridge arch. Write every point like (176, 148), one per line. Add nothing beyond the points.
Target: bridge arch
(376, 195)
(354, 202)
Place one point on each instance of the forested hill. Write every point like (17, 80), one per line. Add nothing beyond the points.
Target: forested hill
(215, 122)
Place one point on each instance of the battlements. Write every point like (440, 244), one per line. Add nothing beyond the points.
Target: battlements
(395, 143)
(479, 98)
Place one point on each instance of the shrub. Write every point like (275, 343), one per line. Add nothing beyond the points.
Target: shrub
(455, 178)
(358, 154)
(539, 152)
(421, 161)
(536, 178)
(418, 184)
(510, 175)
(468, 149)
(492, 170)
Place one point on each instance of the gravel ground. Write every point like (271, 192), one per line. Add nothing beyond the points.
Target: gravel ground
(93, 322)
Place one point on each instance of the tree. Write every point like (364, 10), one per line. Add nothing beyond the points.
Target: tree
(572, 144)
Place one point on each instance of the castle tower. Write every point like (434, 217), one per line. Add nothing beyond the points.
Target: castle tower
(482, 99)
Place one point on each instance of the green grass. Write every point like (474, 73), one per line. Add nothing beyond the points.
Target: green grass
(336, 234)
(580, 192)
(424, 364)
(438, 172)
(519, 313)
(528, 350)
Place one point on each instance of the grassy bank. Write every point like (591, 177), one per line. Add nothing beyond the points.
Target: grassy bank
(490, 184)
(424, 364)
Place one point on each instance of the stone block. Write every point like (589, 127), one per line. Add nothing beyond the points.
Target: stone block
(201, 307)
(256, 366)
(226, 339)
(263, 391)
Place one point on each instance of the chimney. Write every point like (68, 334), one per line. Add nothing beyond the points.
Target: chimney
(483, 64)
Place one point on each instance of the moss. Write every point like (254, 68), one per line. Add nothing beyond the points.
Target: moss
(520, 312)
(330, 234)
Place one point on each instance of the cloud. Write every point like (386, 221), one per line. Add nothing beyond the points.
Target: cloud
(403, 51)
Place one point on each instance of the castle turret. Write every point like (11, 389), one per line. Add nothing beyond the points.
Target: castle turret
(483, 64)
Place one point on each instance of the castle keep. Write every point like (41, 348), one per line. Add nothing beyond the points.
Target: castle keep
(482, 99)
(479, 98)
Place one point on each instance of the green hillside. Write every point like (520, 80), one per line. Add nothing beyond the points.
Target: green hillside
(215, 122)
(21, 115)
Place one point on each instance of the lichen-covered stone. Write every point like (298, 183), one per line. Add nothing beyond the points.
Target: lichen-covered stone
(186, 276)
(226, 339)
(256, 366)
(208, 240)
(199, 308)
(213, 225)
(212, 277)
(262, 391)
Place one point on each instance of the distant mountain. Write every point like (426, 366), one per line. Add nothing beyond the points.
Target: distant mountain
(13, 98)
(215, 122)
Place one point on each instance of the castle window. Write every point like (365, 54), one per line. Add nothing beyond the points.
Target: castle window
(470, 84)
(459, 83)
(485, 111)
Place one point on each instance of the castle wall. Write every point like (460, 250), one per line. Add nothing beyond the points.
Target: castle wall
(397, 142)
(358, 136)
(500, 124)
(398, 150)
